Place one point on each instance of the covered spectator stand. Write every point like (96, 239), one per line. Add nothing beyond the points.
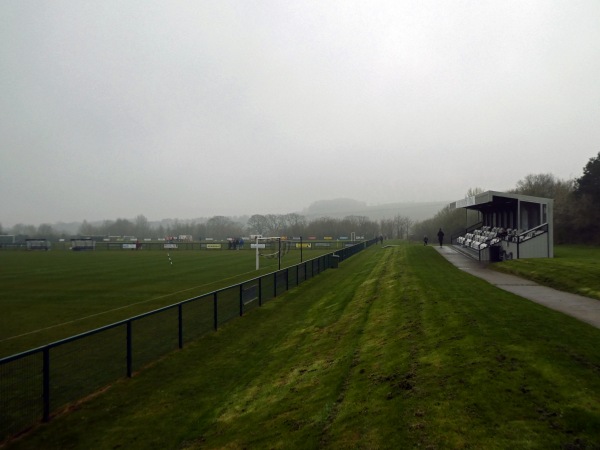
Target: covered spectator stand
(510, 226)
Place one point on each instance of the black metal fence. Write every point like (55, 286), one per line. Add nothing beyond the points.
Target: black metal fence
(38, 382)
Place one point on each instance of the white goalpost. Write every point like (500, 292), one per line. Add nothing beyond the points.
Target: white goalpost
(261, 243)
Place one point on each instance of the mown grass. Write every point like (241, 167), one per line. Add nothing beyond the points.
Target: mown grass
(47, 296)
(395, 349)
(574, 269)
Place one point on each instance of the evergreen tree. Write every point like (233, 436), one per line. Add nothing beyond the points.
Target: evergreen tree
(589, 183)
(586, 215)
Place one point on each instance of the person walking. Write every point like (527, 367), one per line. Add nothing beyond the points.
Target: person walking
(425, 240)
(440, 236)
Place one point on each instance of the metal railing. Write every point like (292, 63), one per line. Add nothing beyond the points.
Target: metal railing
(39, 382)
(503, 244)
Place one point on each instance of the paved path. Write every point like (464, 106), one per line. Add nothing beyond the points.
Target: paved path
(583, 308)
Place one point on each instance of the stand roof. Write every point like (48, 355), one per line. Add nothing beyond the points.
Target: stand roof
(494, 200)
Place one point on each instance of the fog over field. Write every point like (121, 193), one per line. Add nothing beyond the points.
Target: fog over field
(193, 109)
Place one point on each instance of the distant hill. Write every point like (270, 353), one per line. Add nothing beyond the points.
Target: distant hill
(342, 207)
(345, 206)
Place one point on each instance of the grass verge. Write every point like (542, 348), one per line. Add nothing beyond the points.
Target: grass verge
(574, 269)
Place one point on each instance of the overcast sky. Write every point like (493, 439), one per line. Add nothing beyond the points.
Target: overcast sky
(110, 109)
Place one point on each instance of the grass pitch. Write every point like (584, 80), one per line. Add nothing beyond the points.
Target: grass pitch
(395, 349)
(47, 296)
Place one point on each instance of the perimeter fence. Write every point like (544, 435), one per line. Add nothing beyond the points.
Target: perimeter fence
(37, 383)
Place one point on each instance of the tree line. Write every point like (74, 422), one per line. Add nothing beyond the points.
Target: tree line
(222, 227)
(576, 212)
(576, 218)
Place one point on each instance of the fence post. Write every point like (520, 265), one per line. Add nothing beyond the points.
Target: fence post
(241, 299)
(287, 279)
(46, 383)
(129, 350)
(215, 314)
(260, 291)
(180, 325)
(274, 284)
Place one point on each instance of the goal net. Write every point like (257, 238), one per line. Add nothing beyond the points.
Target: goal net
(275, 246)
(270, 247)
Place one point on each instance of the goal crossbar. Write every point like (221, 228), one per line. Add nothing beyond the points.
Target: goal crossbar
(270, 255)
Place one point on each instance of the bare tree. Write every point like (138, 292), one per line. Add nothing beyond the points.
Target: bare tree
(386, 227)
(402, 226)
(223, 227)
(275, 224)
(294, 224)
(540, 185)
(87, 229)
(24, 230)
(257, 224)
(141, 226)
(323, 226)
(472, 192)
(567, 219)
(46, 230)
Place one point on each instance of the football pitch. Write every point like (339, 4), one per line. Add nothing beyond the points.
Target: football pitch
(47, 296)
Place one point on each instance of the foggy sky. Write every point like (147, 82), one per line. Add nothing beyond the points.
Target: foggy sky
(198, 108)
